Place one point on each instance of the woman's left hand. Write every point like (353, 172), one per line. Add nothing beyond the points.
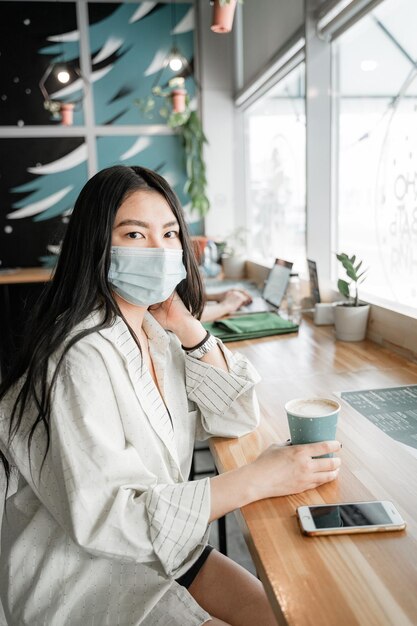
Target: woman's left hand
(172, 314)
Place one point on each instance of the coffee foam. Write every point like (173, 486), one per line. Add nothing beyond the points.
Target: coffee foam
(314, 407)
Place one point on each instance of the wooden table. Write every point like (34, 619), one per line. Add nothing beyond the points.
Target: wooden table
(26, 275)
(349, 580)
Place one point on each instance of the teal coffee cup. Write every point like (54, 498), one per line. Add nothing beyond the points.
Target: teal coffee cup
(312, 419)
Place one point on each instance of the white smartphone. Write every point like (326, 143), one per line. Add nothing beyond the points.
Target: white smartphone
(349, 517)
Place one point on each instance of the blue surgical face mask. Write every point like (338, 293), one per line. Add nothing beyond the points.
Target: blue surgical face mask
(145, 276)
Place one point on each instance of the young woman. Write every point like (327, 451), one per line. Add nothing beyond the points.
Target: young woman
(99, 417)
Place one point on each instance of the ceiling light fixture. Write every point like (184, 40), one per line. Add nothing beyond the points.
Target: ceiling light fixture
(63, 76)
(176, 60)
(60, 110)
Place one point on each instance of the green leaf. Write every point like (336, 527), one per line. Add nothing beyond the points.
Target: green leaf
(350, 271)
(343, 287)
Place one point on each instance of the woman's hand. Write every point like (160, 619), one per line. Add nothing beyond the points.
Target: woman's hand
(278, 471)
(243, 295)
(284, 470)
(227, 302)
(172, 314)
(234, 299)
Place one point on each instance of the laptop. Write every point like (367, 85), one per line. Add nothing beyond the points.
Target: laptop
(270, 298)
(314, 281)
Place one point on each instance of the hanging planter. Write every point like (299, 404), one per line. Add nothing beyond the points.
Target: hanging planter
(223, 14)
(182, 118)
(62, 112)
(66, 111)
(188, 126)
(178, 95)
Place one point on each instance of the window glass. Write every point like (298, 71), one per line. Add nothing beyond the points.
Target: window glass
(39, 67)
(275, 149)
(131, 45)
(42, 179)
(375, 83)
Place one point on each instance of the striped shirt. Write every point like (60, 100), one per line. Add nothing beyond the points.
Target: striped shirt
(100, 535)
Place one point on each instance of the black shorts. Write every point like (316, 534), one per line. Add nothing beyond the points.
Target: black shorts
(186, 579)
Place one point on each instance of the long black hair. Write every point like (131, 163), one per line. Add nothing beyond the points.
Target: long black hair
(80, 286)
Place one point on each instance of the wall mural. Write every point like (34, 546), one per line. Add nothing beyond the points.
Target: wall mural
(41, 177)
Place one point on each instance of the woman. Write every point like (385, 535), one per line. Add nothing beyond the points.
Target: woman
(99, 416)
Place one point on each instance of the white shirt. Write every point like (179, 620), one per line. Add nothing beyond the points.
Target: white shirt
(99, 539)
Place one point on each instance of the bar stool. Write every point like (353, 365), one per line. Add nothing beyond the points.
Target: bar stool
(221, 522)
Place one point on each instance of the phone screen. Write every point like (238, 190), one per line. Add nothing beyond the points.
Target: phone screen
(360, 514)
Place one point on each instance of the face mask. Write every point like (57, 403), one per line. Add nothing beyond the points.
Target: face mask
(145, 276)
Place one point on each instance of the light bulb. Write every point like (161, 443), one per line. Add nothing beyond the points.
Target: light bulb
(63, 76)
(175, 64)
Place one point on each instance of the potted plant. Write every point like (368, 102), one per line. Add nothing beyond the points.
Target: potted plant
(179, 116)
(223, 14)
(233, 257)
(178, 94)
(62, 111)
(351, 317)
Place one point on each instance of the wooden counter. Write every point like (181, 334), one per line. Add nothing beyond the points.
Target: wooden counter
(367, 579)
(26, 275)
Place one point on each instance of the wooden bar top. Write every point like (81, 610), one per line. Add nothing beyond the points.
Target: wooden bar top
(348, 580)
(25, 275)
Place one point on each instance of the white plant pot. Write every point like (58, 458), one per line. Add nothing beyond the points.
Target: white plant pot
(350, 322)
(233, 266)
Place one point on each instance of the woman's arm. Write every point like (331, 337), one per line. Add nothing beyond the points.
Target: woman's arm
(221, 384)
(226, 302)
(279, 471)
(100, 486)
(173, 315)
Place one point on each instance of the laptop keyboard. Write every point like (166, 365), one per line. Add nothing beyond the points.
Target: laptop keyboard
(214, 285)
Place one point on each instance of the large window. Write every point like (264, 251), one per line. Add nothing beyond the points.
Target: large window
(44, 164)
(275, 161)
(376, 116)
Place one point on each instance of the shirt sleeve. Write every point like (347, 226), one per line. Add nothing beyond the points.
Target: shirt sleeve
(98, 489)
(227, 400)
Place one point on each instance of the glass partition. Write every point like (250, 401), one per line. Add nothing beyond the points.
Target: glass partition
(375, 85)
(275, 161)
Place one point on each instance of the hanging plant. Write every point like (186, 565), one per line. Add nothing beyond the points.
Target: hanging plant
(223, 14)
(188, 126)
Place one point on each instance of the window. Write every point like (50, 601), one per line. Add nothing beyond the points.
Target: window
(44, 164)
(275, 156)
(376, 115)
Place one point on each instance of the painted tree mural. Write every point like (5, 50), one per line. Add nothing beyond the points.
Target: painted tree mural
(42, 176)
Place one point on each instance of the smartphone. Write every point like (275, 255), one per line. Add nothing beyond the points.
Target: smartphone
(349, 517)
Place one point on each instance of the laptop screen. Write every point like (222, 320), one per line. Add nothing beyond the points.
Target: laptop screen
(314, 281)
(277, 281)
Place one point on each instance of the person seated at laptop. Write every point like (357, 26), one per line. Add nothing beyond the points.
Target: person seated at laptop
(224, 303)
